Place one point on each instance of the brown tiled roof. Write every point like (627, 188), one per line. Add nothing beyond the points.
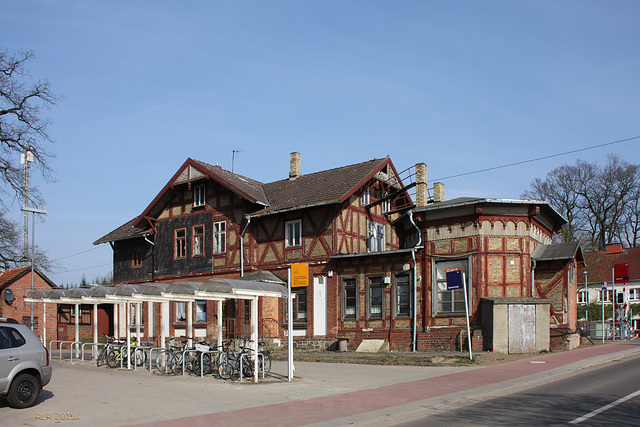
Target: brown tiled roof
(319, 188)
(7, 277)
(249, 188)
(600, 264)
(126, 231)
(325, 187)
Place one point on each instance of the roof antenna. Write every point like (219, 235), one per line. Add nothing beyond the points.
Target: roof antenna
(233, 158)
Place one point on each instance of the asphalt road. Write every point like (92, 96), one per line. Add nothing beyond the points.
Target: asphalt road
(570, 401)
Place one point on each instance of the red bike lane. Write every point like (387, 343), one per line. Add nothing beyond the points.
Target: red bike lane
(334, 407)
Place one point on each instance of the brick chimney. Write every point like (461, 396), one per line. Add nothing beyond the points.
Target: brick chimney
(438, 192)
(422, 193)
(294, 170)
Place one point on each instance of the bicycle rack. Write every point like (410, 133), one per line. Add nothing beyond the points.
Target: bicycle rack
(151, 350)
(94, 355)
(61, 343)
(251, 354)
(202, 359)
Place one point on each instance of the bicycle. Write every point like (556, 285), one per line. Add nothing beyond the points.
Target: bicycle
(266, 356)
(172, 359)
(102, 356)
(231, 364)
(119, 356)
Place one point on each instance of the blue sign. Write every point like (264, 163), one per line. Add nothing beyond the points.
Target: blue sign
(454, 279)
(604, 286)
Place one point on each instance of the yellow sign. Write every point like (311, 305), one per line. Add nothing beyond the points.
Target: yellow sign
(299, 275)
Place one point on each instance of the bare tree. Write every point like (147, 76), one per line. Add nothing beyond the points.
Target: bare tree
(11, 254)
(22, 127)
(600, 203)
(23, 132)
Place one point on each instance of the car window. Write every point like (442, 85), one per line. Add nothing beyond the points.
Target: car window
(10, 338)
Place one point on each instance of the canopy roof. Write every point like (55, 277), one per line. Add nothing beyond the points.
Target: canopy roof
(212, 289)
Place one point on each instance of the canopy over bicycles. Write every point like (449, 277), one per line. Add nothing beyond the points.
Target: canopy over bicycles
(212, 289)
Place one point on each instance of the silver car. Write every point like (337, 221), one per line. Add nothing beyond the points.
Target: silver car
(24, 364)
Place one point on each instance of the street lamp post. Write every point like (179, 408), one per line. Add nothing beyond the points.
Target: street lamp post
(33, 245)
(586, 291)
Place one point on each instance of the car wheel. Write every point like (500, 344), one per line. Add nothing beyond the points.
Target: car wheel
(24, 391)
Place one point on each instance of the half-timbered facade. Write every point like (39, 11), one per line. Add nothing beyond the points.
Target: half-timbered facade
(376, 258)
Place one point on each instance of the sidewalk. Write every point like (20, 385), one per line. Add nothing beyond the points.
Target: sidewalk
(405, 396)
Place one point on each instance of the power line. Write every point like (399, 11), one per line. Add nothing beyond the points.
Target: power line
(537, 159)
(87, 268)
(79, 253)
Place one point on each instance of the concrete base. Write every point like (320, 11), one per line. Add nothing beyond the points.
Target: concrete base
(370, 346)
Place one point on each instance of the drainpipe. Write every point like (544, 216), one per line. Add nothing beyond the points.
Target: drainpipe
(242, 246)
(415, 283)
(533, 277)
(153, 255)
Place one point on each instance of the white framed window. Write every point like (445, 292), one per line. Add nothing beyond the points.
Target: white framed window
(375, 237)
(198, 240)
(181, 311)
(293, 233)
(375, 298)
(180, 243)
(402, 295)
(219, 237)
(634, 294)
(199, 195)
(350, 298)
(582, 297)
(201, 311)
(449, 301)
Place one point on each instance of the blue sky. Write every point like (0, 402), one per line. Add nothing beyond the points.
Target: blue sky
(461, 86)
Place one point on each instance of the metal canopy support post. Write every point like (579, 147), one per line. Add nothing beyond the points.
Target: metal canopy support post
(127, 316)
(254, 336)
(219, 329)
(95, 330)
(116, 321)
(164, 322)
(190, 323)
(77, 327)
(138, 318)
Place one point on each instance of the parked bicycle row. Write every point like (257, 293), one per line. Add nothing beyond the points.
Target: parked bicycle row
(234, 358)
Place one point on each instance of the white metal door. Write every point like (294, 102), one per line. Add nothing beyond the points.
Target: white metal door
(522, 328)
(320, 305)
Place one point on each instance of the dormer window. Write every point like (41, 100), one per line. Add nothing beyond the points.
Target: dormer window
(199, 195)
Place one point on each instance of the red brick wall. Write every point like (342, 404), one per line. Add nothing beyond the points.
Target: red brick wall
(21, 309)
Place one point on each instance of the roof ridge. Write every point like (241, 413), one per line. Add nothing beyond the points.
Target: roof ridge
(331, 170)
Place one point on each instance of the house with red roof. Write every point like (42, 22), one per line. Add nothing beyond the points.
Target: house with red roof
(375, 257)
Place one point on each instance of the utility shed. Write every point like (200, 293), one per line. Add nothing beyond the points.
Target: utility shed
(515, 325)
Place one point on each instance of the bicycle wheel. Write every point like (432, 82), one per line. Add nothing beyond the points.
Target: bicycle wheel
(165, 362)
(206, 363)
(267, 362)
(102, 357)
(226, 370)
(113, 358)
(140, 356)
(247, 367)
